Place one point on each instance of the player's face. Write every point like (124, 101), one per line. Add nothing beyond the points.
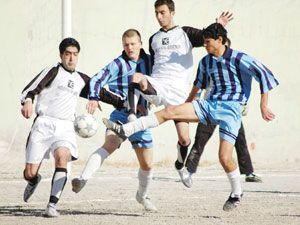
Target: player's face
(132, 46)
(164, 17)
(69, 58)
(212, 46)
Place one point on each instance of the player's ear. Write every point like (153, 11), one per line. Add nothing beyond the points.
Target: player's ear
(220, 39)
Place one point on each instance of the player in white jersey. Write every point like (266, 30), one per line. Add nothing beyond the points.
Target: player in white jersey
(171, 54)
(57, 89)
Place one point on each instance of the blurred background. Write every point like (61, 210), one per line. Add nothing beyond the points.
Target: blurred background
(268, 30)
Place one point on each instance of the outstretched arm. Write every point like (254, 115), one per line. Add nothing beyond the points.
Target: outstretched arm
(266, 113)
(224, 18)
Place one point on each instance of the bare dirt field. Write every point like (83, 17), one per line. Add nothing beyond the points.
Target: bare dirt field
(109, 197)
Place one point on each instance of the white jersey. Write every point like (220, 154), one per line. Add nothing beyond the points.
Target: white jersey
(58, 91)
(172, 58)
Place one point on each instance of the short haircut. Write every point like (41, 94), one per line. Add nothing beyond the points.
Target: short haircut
(130, 33)
(214, 31)
(169, 3)
(66, 43)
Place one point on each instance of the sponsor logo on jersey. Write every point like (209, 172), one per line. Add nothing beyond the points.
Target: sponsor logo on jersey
(71, 84)
(165, 41)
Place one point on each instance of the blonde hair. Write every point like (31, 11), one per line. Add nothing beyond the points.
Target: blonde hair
(130, 33)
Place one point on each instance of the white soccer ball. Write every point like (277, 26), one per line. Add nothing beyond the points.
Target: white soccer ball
(86, 125)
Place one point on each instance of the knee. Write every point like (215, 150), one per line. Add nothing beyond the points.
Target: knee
(146, 166)
(185, 141)
(61, 159)
(168, 113)
(28, 174)
(225, 160)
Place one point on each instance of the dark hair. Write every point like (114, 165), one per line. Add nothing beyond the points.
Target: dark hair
(214, 31)
(169, 3)
(131, 32)
(68, 42)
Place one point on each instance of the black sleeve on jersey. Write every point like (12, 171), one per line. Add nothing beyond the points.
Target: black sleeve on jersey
(105, 96)
(45, 82)
(151, 51)
(195, 36)
(85, 90)
(110, 98)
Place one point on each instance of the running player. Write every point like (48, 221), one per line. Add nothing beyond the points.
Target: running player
(57, 88)
(117, 75)
(230, 73)
(171, 55)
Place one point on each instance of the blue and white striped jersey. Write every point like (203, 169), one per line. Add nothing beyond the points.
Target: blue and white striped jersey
(231, 76)
(118, 74)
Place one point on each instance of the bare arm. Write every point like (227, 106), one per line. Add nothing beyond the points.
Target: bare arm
(266, 113)
(192, 94)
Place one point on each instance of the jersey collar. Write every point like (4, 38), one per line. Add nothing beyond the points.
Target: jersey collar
(166, 31)
(66, 68)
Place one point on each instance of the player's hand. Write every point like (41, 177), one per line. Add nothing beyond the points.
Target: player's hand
(27, 109)
(91, 106)
(224, 18)
(267, 114)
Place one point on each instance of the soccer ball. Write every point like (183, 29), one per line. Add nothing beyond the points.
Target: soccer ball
(86, 125)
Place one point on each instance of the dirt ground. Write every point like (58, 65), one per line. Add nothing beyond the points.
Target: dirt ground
(109, 197)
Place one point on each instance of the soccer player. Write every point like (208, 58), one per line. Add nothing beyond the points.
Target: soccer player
(171, 55)
(57, 89)
(229, 72)
(117, 75)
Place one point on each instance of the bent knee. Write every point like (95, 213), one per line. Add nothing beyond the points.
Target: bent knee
(29, 173)
(169, 113)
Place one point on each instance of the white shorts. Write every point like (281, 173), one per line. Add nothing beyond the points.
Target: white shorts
(47, 134)
(166, 93)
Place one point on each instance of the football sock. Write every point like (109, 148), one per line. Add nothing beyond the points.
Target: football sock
(133, 96)
(140, 124)
(93, 164)
(144, 181)
(234, 179)
(181, 155)
(59, 180)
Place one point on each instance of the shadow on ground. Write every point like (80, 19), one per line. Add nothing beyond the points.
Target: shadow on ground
(25, 211)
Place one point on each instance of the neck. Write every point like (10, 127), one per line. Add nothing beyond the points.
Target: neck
(169, 27)
(220, 51)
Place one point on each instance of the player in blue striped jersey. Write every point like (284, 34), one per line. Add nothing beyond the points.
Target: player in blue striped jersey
(230, 73)
(117, 75)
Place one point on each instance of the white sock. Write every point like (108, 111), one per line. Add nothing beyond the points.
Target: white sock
(234, 179)
(140, 124)
(59, 180)
(93, 164)
(144, 181)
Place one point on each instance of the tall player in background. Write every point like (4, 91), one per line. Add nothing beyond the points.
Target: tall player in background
(57, 89)
(171, 54)
(117, 75)
(229, 72)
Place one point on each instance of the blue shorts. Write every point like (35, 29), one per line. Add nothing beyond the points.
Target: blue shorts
(141, 139)
(226, 114)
